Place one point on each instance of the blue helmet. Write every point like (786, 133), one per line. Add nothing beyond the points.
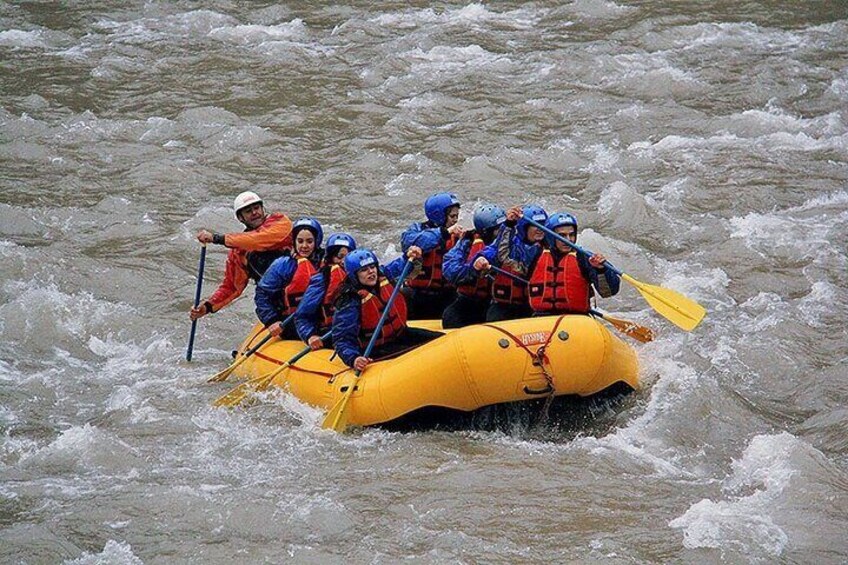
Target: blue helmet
(488, 216)
(557, 221)
(312, 225)
(357, 259)
(535, 213)
(435, 207)
(340, 239)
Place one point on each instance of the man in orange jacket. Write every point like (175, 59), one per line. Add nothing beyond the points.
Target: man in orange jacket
(266, 237)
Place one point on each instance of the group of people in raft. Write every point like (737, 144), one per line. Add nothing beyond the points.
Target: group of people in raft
(505, 268)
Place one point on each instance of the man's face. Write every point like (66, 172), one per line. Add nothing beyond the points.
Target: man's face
(451, 216)
(569, 233)
(367, 276)
(252, 216)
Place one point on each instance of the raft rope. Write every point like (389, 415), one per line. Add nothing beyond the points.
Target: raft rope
(249, 343)
(332, 376)
(384, 358)
(539, 359)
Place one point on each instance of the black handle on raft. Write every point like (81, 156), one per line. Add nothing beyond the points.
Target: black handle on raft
(547, 390)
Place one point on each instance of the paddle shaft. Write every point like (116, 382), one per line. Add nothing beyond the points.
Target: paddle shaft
(406, 268)
(256, 347)
(283, 324)
(222, 376)
(684, 312)
(506, 273)
(597, 313)
(303, 352)
(197, 292)
(572, 245)
(265, 381)
(235, 396)
(335, 418)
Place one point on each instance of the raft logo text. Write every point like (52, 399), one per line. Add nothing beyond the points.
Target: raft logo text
(534, 338)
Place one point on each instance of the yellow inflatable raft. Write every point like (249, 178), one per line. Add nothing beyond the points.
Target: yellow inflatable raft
(465, 369)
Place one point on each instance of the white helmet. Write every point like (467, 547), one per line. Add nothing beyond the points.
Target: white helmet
(244, 200)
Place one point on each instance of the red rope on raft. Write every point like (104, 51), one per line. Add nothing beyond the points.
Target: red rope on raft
(540, 359)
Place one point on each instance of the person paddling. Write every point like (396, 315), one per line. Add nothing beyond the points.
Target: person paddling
(360, 305)
(516, 246)
(314, 315)
(266, 237)
(562, 280)
(281, 288)
(466, 266)
(429, 293)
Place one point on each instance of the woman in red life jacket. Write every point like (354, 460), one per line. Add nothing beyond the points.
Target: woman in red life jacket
(561, 280)
(266, 237)
(466, 266)
(429, 293)
(314, 314)
(361, 303)
(282, 286)
(516, 247)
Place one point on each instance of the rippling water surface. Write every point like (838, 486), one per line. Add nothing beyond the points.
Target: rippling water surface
(703, 147)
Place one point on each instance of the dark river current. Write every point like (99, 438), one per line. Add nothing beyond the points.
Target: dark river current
(702, 145)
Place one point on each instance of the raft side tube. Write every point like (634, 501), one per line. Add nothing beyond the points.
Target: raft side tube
(464, 370)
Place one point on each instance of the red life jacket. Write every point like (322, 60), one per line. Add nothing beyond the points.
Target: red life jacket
(431, 277)
(370, 310)
(333, 279)
(508, 290)
(558, 287)
(293, 292)
(482, 287)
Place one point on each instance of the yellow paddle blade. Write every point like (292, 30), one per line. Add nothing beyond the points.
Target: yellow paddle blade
(683, 312)
(224, 375)
(239, 393)
(638, 332)
(336, 418)
(234, 397)
(266, 380)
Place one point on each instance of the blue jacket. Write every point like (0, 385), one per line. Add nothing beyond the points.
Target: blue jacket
(394, 268)
(424, 235)
(457, 266)
(269, 289)
(308, 315)
(346, 319)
